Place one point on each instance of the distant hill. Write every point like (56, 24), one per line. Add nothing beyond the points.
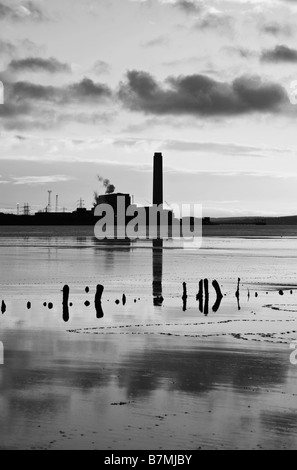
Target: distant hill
(287, 220)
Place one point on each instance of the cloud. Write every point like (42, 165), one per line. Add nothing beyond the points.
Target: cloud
(38, 64)
(199, 95)
(215, 20)
(189, 6)
(101, 68)
(44, 119)
(213, 148)
(7, 47)
(159, 41)
(184, 61)
(85, 91)
(31, 105)
(280, 53)
(275, 28)
(241, 52)
(36, 180)
(3, 181)
(26, 10)
(23, 92)
(19, 48)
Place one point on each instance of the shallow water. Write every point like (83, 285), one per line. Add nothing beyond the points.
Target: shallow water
(146, 377)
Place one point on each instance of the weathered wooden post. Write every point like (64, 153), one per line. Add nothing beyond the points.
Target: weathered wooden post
(98, 301)
(219, 295)
(3, 307)
(66, 292)
(206, 293)
(185, 296)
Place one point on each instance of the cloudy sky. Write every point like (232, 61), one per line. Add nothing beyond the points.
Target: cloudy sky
(97, 86)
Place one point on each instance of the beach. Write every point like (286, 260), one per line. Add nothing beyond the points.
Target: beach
(146, 374)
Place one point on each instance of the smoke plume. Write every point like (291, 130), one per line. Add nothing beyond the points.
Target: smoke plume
(110, 188)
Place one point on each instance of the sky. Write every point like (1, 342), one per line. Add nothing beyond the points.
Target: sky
(96, 87)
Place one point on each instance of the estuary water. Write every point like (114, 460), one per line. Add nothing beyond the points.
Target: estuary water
(156, 370)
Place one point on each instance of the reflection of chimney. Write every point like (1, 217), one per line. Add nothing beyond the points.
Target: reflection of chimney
(158, 179)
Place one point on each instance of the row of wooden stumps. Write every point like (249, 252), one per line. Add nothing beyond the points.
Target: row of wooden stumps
(237, 293)
(66, 304)
(97, 302)
(203, 296)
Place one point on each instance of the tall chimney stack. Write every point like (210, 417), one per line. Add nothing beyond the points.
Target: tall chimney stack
(49, 206)
(158, 179)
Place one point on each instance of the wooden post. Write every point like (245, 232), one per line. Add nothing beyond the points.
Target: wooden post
(66, 292)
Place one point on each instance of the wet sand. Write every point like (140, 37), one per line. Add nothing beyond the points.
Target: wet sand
(147, 377)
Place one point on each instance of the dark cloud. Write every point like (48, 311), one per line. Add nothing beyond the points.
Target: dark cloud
(276, 29)
(13, 110)
(189, 6)
(20, 92)
(37, 64)
(26, 10)
(85, 91)
(6, 12)
(101, 68)
(280, 53)
(200, 95)
(28, 105)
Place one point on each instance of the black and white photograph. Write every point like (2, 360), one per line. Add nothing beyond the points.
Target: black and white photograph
(148, 227)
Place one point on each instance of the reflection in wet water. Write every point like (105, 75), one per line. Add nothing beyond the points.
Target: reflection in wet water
(57, 388)
(158, 273)
(178, 391)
